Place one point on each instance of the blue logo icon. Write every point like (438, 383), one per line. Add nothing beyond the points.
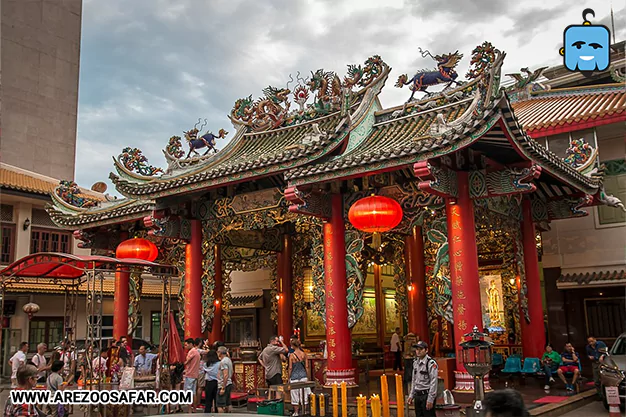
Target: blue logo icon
(586, 47)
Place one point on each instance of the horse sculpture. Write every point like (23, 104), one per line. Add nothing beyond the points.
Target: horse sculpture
(444, 73)
(205, 141)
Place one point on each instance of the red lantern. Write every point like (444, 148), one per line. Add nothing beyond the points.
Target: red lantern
(137, 248)
(375, 214)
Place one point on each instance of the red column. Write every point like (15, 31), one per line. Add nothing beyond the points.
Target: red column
(533, 333)
(285, 287)
(217, 332)
(418, 273)
(338, 337)
(412, 317)
(193, 282)
(121, 301)
(464, 272)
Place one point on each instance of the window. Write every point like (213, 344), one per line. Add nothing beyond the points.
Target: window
(605, 317)
(138, 333)
(48, 330)
(155, 327)
(7, 241)
(46, 240)
(107, 326)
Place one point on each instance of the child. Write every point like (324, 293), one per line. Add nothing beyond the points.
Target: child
(53, 384)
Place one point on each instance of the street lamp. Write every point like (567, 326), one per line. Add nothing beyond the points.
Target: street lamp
(477, 362)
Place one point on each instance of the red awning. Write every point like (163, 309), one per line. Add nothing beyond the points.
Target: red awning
(67, 266)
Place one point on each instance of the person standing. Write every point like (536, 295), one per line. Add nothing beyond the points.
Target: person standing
(424, 382)
(192, 369)
(26, 379)
(595, 349)
(54, 383)
(298, 371)
(550, 361)
(396, 349)
(224, 381)
(272, 359)
(143, 361)
(17, 360)
(570, 364)
(39, 360)
(211, 370)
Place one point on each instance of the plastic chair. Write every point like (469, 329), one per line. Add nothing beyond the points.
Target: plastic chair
(513, 365)
(497, 359)
(531, 366)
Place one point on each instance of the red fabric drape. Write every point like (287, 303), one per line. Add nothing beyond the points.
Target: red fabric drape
(176, 352)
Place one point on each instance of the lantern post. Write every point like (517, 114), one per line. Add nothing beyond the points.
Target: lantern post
(477, 361)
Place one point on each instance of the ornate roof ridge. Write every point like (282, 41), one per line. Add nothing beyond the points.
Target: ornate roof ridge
(115, 212)
(576, 91)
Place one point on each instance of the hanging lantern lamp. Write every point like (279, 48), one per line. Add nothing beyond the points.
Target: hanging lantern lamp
(30, 309)
(375, 214)
(137, 248)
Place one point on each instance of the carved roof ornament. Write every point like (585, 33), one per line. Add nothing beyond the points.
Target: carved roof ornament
(135, 161)
(581, 156)
(443, 74)
(174, 152)
(526, 83)
(70, 193)
(329, 92)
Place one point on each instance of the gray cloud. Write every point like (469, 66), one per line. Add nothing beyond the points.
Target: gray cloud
(149, 68)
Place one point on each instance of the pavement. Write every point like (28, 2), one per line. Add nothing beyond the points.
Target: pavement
(590, 410)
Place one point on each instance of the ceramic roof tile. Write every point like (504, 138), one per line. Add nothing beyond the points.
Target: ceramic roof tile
(590, 278)
(565, 106)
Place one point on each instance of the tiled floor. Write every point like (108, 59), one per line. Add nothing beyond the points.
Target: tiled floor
(590, 410)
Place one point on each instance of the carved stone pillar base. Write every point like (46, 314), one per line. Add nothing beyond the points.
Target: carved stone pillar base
(340, 375)
(464, 382)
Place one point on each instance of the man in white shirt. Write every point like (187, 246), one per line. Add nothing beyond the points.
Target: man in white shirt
(40, 362)
(17, 360)
(396, 349)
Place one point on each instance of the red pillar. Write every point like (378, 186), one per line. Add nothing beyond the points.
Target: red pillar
(464, 273)
(193, 282)
(533, 333)
(121, 301)
(285, 287)
(412, 317)
(217, 332)
(418, 273)
(338, 337)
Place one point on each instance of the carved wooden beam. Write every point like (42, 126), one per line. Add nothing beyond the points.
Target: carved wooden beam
(160, 224)
(97, 239)
(435, 180)
(308, 203)
(503, 182)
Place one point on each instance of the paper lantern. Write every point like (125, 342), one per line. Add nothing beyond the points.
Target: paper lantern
(375, 214)
(137, 248)
(31, 309)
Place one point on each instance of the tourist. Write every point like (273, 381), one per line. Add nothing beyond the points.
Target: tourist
(143, 361)
(67, 355)
(424, 382)
(224, 381)
(570, 364)
(99, 364)
(125, 353)
(211, 369)
(17, 360)
(192, 369)
(272, 359)
(595, 349)
(39, 360)
(550, 361)
(54, 383)
(199, 342)
(504, 403)
(298, 371)
(396, 349)
(26, 379)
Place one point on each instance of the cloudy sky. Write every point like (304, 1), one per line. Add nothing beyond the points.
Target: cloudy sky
(151, 68)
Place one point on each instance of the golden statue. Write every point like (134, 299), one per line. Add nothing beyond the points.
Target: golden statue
(494, 303)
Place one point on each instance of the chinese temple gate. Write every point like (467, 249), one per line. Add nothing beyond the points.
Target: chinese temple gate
(474, 189)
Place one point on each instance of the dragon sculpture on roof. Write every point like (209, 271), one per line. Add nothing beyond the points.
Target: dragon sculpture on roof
(267, 113)
(205, 141)
(526, 84)
(423, 79)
